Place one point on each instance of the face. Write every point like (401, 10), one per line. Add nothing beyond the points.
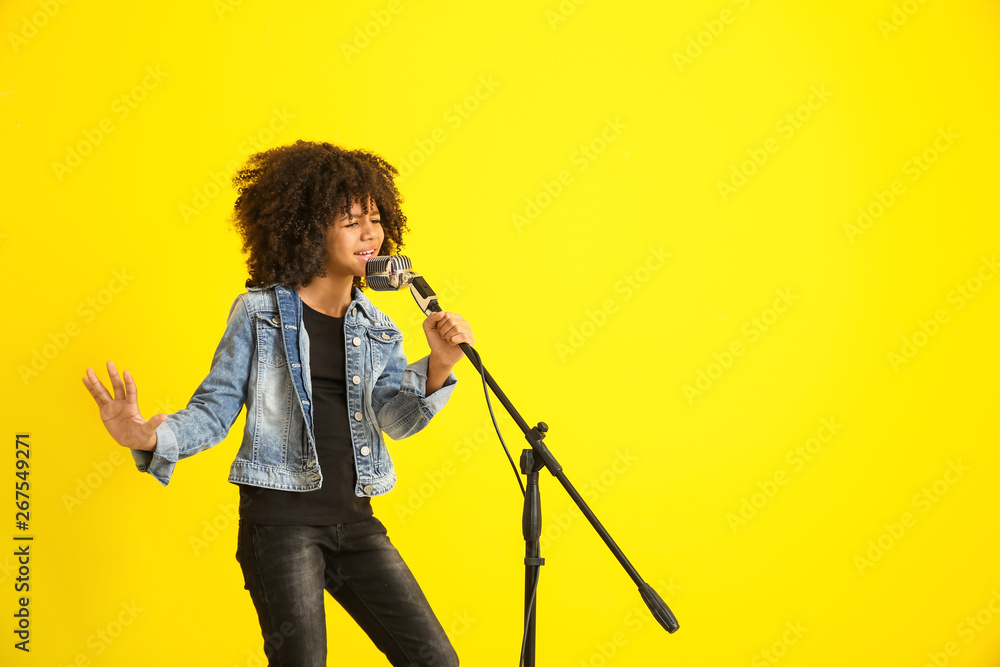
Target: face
(352, 240)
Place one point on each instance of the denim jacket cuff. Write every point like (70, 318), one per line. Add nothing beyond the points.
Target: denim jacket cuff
(159, 462)
(415, 382)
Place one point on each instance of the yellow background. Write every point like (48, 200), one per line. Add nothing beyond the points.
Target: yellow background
(669, 100)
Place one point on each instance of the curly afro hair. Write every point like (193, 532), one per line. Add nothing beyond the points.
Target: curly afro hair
(288, 197)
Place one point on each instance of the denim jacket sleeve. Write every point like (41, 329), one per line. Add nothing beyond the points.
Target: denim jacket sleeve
(213, 408)
(399, 396)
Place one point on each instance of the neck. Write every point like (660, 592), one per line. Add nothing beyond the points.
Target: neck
(329, 295)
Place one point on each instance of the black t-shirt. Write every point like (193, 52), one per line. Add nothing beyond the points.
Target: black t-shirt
(335, 501)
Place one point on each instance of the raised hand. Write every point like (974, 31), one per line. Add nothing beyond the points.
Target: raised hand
(120, 414)
(444, 332)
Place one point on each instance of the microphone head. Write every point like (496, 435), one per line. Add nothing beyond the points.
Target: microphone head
(388, 273)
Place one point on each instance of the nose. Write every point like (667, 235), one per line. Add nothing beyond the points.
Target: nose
(369, 230)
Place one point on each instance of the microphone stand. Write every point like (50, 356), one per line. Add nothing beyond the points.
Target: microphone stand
(532, 461)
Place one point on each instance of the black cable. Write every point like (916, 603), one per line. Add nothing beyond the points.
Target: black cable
(482, 372)
(531, 604)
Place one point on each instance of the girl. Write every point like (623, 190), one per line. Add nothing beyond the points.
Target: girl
(322, 373)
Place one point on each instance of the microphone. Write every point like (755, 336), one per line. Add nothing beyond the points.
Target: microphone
(389, 273)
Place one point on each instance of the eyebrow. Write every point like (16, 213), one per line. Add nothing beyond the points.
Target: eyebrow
(351, 216)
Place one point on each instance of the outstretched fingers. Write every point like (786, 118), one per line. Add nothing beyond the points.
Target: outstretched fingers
(116, 381)
(130, 391)
(96, 389)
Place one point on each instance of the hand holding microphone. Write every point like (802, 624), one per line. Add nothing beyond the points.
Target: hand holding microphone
(445, 332)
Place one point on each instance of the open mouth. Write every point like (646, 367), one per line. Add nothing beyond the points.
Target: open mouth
(365, 254)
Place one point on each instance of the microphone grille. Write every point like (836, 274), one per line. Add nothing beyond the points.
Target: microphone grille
(382, 273)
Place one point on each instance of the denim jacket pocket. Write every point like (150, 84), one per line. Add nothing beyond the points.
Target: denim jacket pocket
(381, 343)
(270, 349)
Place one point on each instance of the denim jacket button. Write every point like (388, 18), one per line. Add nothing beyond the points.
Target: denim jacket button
(356, 341)
(356, 380)
(369, 488)
(385, 336)
(357, 416)
(275, 320)
(366, 450)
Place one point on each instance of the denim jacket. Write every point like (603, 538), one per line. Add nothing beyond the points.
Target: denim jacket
(262, 361)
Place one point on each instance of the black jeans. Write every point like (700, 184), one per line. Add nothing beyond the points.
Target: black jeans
(287, 568)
